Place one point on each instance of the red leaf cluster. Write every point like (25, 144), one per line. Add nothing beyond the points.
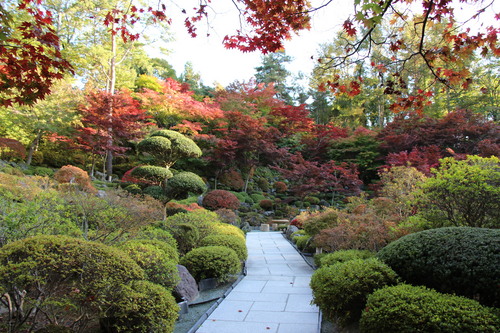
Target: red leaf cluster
(219, 199)
(11, 148)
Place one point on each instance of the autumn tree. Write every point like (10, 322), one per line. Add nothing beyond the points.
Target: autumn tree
(307, 177)
(127, 123)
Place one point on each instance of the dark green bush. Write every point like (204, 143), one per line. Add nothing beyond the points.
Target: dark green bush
(43, 171)
(145, 307)
(406, 308)
(257, 197)
(230, 241)
(183, 184)
(459, 260)
(317, 259)
(304, 243)
(155, 191)
(218, 262)
(64, 278)
(343, 256)
(186, 235)
(341, 290)
(159, 268)
(312, 200)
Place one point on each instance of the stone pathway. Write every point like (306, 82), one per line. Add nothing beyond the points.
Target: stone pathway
(274, 297)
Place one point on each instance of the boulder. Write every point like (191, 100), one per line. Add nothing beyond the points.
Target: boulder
(187, 288)
(290, 230)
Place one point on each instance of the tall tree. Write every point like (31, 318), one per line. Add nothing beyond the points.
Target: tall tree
(273, 71)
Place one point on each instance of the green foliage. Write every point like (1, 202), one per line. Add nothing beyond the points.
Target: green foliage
(343, 256)
(459, 260)
(341, 290)
(157, 233)
(67, 279)
(257, 197)
(155, 192)
(186, 235)
(43, 171)
(230, 241)
(312, 200)
(218, 199)
(145, 307)
(154, 174)
(464, 193)
(304, 243)
(227, 229)
(263, 184)
(133, 188)
(202, 219)
(184, 184)
(169, 146)
(326, 219)
(218, 262)
(406, 308)
(170, 252)
(243, 197)
(156, 263)
(46, 213)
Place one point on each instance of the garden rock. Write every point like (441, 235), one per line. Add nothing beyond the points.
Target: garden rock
(290, 230)
(187, 288)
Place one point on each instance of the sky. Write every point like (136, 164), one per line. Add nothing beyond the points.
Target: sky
(217, 64)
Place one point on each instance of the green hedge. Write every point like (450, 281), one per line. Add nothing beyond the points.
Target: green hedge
(146, 307)
(159, 268)
(341, 290)
(343, 256)
(406, 308)
(218, 262)
(233, 242)
(459, 260)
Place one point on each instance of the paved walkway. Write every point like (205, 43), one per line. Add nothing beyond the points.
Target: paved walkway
(273, 297)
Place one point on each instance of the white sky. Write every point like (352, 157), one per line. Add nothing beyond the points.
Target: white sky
(217, 64)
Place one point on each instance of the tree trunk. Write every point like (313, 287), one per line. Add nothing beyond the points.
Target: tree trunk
(33, 147)
(111, 89)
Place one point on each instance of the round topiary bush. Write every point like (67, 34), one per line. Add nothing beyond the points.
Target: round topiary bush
(459, 260)
(169, 251)
(155, 191)
(218, 262)
(183, 184)
(406, 308)
(64, 278)
(218, 199)
(154, 232)
(343, 256)
(158, 267)
(133, 188)
(280, 187)
(74, 175)
(145, 307)
(341, 290)
(152, 174)
(232, 242)
(266, 204)
(227, 229)
(186, 235)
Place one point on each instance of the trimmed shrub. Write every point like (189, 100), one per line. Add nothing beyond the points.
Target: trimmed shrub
(155, 191)
(159, 268)
(227, 229)
(232, 242)
(217, 262)
(183, 184)
(459, 260)
(186, 235)
(219, 199)
(228, 216)
(406, 308)
(341, 290)
(64, 278)
(153, 232)
(266, 204)
(202, 219)
(312, 200)
(74, 175)
(151, 174)
(257, 197)
(343, 256)
(304, 243)
(43, 171)
(145, 307)
(170, 252)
